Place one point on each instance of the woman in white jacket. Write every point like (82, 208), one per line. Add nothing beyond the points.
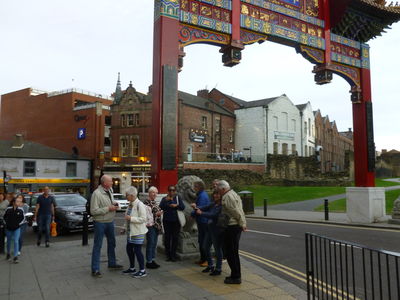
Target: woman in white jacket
(136, 230)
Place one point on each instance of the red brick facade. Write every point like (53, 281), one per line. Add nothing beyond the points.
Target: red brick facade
(54, 119)
(334, 144)
(211, 126)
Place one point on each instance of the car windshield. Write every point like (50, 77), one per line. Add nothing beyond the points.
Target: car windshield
(119, 197)
(70, 200)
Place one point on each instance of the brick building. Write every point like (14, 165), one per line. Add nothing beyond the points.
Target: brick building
(73, 121)
(333, 147)
(205, 129)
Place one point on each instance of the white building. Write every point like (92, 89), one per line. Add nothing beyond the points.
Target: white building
(274, 126)
(307, 133)
(31, 166)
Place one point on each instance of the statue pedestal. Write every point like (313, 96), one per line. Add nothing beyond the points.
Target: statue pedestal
(188, 246)
(365, 204)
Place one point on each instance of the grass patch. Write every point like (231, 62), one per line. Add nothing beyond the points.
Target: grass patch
(340, 205)
(286, 194)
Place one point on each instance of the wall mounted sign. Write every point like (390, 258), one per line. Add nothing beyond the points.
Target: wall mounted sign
(198, 135)
(81, 133)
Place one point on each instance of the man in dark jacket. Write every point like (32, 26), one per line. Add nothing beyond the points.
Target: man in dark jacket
(44, 215)
(202, 200)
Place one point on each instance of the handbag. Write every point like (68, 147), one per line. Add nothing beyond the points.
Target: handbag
(53, 228)
(181, 215)
(223, 220)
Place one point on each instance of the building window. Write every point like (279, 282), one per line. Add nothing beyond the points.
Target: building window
(275, 148)
(107, 121)
(285, 121)
(294, 149)
(222, 101)
(275, 123)
(217, 124)
(309, 126)
(135, 146)
(133, 120)
(305, 128)
(124, 147)
(231, 137)
(285, 149)
(71, 169)
(204, 122)
(123, 124)
(305, 151)
(130, 120)
(29, 168)
(294, 125)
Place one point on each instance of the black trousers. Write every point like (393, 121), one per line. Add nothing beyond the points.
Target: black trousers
(171, 235)
(231, 240)
(201, 237)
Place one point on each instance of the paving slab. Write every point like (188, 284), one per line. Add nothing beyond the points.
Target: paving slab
(63, 272)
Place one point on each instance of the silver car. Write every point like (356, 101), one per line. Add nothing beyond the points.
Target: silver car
(123, 203)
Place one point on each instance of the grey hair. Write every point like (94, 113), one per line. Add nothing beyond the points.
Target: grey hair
(104, 177)
(131, 191)
(223, 185)
(153, 188)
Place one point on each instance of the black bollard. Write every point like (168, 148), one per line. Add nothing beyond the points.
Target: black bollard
(326, 208)
(265, 207)
(2, 236)
(85, 229)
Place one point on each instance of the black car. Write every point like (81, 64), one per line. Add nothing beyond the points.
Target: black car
(69, 209)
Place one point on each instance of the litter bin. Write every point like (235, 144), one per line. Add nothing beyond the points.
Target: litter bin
(247, 202)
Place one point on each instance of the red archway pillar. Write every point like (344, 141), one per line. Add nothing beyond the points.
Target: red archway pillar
(165, 57)
(363, 135)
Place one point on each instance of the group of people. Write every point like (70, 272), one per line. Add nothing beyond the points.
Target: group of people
(219, 222)
(12, 214)
(143, 222)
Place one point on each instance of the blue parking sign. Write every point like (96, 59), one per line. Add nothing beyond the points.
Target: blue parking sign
(81, 133)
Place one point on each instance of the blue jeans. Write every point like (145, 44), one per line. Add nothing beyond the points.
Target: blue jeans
(13, 235)
(217, 237)
(206, 246)
(101, 229)
(21, 236)
(44, 226)
(151, 243)
(202, 232)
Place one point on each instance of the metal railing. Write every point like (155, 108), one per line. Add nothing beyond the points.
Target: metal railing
(229, 157)
(337, 269)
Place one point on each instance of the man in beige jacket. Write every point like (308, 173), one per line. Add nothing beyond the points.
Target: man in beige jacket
(102, 209)
(232, 207)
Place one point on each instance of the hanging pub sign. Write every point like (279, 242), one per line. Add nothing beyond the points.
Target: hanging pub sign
(197, 135)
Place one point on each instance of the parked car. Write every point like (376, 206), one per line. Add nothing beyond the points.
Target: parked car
(123, 203)
(69, 209)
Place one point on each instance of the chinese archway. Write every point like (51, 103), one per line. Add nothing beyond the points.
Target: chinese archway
(331, 34)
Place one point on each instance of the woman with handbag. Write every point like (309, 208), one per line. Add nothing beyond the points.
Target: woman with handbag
(154, 227)
(136, 230)
(172, 226)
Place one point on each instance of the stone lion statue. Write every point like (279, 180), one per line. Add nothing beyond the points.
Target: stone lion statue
(186, 192)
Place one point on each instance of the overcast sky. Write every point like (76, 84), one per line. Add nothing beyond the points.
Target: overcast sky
(55, 45)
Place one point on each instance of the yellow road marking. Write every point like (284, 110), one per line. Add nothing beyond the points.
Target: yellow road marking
(323, 286)
(329, 225)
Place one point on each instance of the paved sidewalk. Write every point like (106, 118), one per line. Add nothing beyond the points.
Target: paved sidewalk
(63, 272)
